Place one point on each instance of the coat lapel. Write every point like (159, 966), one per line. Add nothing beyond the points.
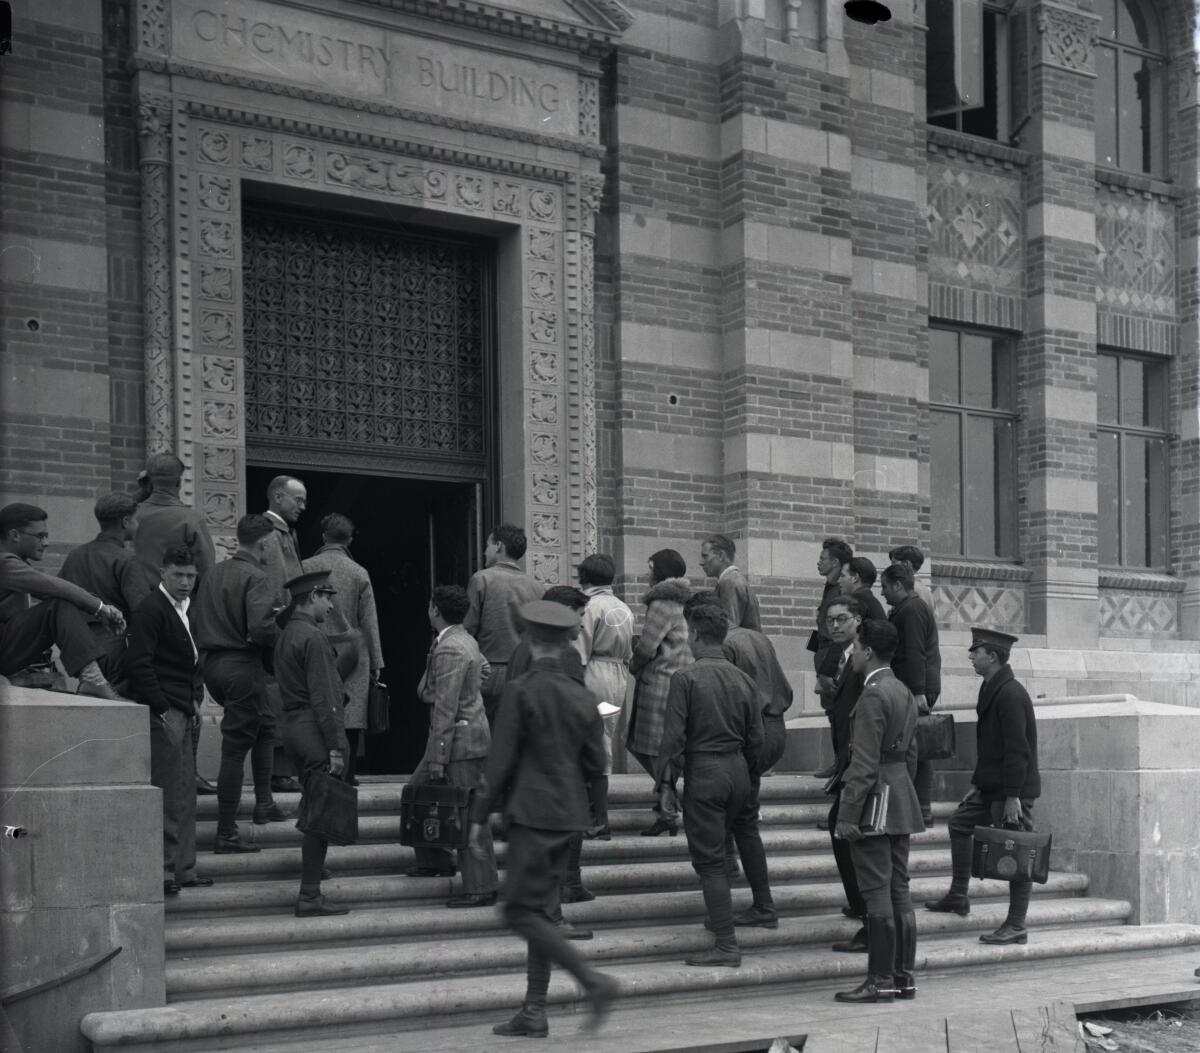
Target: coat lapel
(989, 689)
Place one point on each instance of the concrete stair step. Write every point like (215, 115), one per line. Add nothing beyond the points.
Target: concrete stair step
(219, 1023)
(212, 976)
(194, 935)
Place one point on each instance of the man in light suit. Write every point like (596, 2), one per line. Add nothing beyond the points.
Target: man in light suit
(883, 752)
(163, 667)
(459, 739)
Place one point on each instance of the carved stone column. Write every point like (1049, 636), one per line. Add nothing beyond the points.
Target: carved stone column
(590, 192)
(154, 137)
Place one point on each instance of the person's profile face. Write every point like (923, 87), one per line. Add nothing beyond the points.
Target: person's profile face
(291, 501)
(30, 541)
(860, 656)
(492, 551)
(825, 563)
(711, 560)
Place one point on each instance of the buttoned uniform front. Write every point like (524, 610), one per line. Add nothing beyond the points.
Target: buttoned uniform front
(459, 740)
(165, 522)
(605, 644)
(713, 736)
(495, 595)
(736, 596)
(354, 600)
(162, 665)
(106, 568)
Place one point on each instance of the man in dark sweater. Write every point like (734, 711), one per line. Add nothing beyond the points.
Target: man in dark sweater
(1006, 781)
(857, 578)
(163, 667)
(835, 555)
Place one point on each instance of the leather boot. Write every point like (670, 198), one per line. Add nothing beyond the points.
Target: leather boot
(881, 954)
(903, 972)
(530, 1022)
(724, 952)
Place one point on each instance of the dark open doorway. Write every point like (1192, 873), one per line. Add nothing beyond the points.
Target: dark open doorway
(409, 533)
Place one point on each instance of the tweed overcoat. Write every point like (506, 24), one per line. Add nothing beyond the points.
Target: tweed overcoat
(661, 651)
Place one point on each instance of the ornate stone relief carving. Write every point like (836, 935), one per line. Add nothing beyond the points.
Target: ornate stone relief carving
(542, 287)
(1135, 248)
(1068, 37)
(368, 173)
(214, 192)
(220, 508)
(215, 146)
(589, 108)
(546, 567)
(220, 419)
(543, 448)
(257, 153)
(216, 237)
(543, 326)
(218, 373)
(219, 463)
(542, 244)
(153, 33)
(216, 282)
(468, 191)
(543, 205)
(543, 407)
(544, 487)
(546, 529)
(299, 161)
(216, 329)
(506, 198)
(543, 366)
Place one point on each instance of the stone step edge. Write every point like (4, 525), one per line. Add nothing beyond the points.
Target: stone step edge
(282, 930)
(415, 961)
(330, 1008)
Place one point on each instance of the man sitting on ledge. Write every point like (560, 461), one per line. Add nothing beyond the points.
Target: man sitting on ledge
(27, 632)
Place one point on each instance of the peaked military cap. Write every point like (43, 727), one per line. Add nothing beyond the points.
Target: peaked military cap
(549, 621)
(981, 637)
(314, 581)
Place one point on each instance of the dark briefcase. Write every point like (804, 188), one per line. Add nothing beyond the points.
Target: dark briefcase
(329, 808)
(379, 708)
(1010, 855)
(935, 736)
(434, 815)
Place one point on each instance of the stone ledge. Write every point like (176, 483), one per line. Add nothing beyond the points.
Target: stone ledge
(957, 144)
(1135, 183)
(1140, 581)
(977, 570)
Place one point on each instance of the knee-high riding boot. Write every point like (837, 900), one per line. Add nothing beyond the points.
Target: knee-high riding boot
(905, 965)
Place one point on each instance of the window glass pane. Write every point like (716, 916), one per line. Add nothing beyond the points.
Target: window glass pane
(1133, 410)
(988, 479)
(1134, 501)
(1132, 110)
(943, 366)
(976, 370)
(983, 118)
(1109, 487)
(945, 483)
(1106, 389)
(1003, 388)
(1156, 503)
(1154, 385)
(941, 92)
(1132, 25)
(1006, 488)
(1152, 118)
(1107, 10)
(1106, 93)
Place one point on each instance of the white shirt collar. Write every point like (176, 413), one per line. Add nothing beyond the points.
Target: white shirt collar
(180, 605)
(438, 638)
(728, 570)
(873, 674)
(598, 590)
(275, 517)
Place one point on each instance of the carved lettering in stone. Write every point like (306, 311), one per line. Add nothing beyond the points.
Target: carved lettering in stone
(216, 282)
(468, 191)
(545, 567)
(543, 366)
(506, 198)
(541, 244)
(543, 326)
(220, 508)
(542, 287)
(219, 419)
(546, 529)
(299, 161)
(218, 373)
(215, 146)
(436, 184)
(369, 173)
(1068, 38)
(216, 329)
(543, 204)
(544, 488)
(257, 153)
(543, 448)
(214, 192)
(216, 237)
(219, 463)
(543, 407)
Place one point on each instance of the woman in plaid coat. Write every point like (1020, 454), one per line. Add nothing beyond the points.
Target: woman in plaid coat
(661, 651)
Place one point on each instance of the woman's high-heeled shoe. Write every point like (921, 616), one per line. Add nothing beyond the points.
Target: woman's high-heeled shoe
(662, 826)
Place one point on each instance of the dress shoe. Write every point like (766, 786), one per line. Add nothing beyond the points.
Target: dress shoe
(317, 908)
(101, 690)
(326, 873)
(428, 872)
(598, 833)
(1006, 934)
(822, 824)
(716, 955)
(857, 944)
(577, 894)
(904, 991)
(927, 819)
(171, 888)
(850, 912)
(573, 932)
(950, 904)
(204, 788)
(601, 994)
(233, 844)
(197, 882)
(872, 989)
(757, 917)
(528, 1023)
(284, 784)
(662, 826)
(269, 813)
(472, 899)
(826, 773)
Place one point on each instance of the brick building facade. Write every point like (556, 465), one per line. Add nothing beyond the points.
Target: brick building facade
(686, 265)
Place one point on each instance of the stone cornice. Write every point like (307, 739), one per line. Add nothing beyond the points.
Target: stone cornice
(1140, 581)
(956, 144)
(978, 570)
(1136, 183)
(346, 102)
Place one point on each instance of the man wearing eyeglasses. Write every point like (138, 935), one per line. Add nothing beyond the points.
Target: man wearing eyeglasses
(27, 632)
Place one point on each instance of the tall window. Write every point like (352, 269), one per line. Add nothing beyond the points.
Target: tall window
(966, 67)
(1132, 415)
(1130, 74)
(972, 444)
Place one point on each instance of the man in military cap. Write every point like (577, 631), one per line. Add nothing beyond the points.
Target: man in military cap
(1006, 781)
(548, 743)
(310, 692)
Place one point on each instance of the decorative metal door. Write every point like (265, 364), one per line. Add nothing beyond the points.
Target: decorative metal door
(365, 344)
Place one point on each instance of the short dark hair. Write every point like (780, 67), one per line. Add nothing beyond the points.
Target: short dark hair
(849, 602)
(164, 468)
(699, 598)
(179, 556)
(668, 563)
(597, 569)
(710, 621)
(910, 554)
(721, 543)
(838, 549)
(567, 595)
(512, 537)
(451, 602)
(898, 572)
(252, 528)
(863, 569)
(337, 527)
(880, 636)
(18, 516)
(112, 508)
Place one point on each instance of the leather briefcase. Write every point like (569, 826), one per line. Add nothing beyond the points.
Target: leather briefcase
(935, 737)
(1010, 855)
(379, 708)
(329, 808)
(434, 815)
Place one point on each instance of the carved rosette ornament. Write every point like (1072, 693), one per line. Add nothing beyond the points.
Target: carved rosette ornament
(154, 139)
(1068, 38)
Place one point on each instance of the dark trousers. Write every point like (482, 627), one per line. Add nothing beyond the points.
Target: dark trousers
(172, 771)
(479, 876)
(967, 816)
(237, 682)
(281, 762)
(881, 867)
(535, 867)
(923, 781)
(306, 749)
(754, 857)
(492, 690)
(27, 636)
(845, 864)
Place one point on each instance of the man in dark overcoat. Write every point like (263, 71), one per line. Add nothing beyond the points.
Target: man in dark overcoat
(883, 754)
(548, 743)
(1006, 781)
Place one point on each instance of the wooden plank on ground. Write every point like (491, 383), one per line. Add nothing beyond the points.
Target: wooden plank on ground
(984, 1031)
(849, 1039)
(913, 1036)
(1047, 1028)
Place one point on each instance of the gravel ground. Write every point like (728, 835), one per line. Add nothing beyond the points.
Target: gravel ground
(1171, 1029)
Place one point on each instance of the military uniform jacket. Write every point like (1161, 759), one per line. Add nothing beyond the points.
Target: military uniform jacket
(1006, 740)
(548, 744)
(458, 727)
(883, 751)
(306, 671)
(233, 609)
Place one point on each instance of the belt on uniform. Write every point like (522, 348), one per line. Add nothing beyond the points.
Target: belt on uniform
(892, 756)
